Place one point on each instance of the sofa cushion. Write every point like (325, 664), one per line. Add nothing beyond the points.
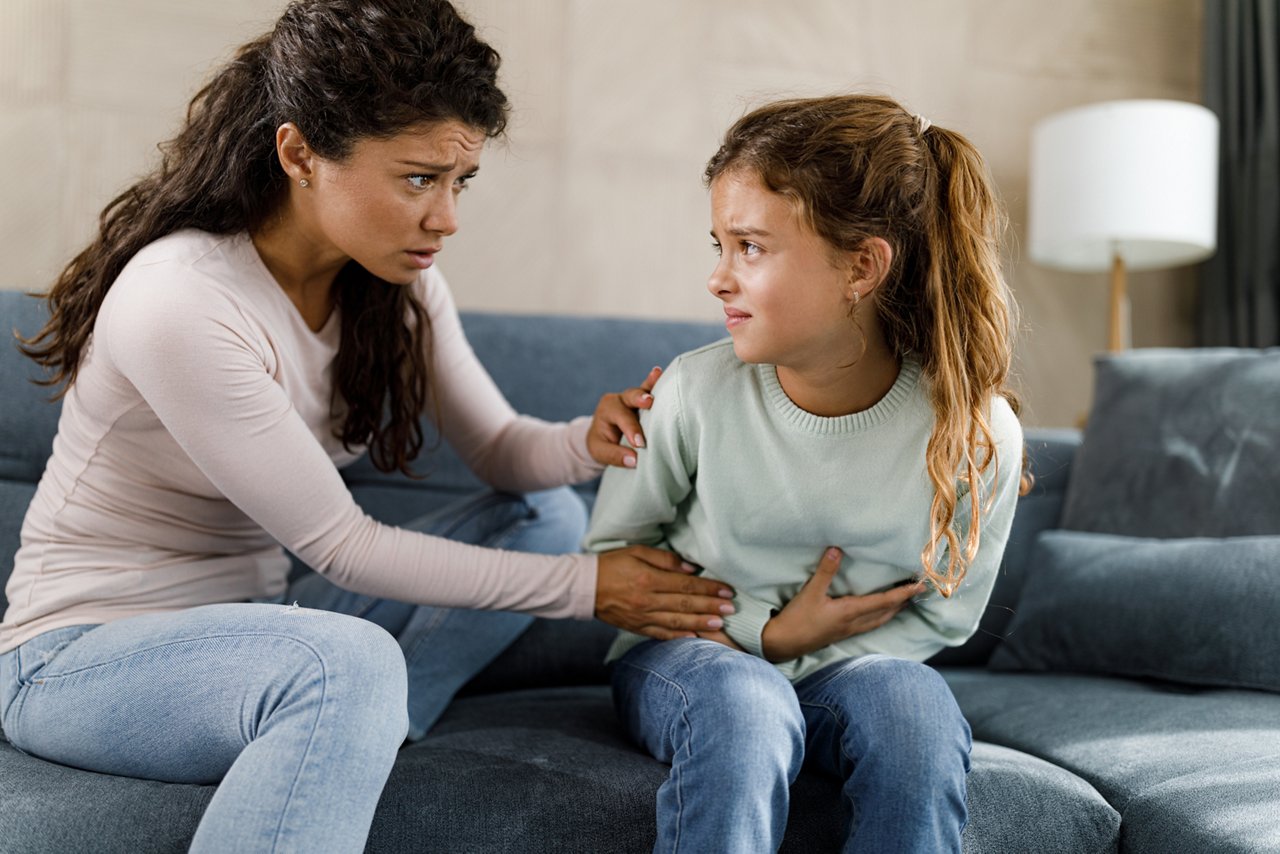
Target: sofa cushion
(1143, 745)
(1180, 443)
(1200, 611)
(27, 419)
(1229, 808)
(1050, 453)
(533, 771)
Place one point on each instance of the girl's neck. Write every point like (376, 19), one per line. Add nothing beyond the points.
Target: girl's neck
(844, 389)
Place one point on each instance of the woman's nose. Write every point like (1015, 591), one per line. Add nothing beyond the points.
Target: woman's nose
(442, 216)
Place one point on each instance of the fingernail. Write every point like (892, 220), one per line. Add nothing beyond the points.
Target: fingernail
(715, 623)
(728, 609)
(833, 553)
(629, 461)
(726, 594)
(638, 441)
(657, 368)
(688, 567)
(646, 398)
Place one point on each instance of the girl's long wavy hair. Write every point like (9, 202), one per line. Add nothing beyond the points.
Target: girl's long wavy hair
(342, 71)
(858, 167)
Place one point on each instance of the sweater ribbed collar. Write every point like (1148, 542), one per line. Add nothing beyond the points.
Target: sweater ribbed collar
(903, 387)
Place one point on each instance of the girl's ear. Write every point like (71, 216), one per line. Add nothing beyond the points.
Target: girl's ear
(869, 266)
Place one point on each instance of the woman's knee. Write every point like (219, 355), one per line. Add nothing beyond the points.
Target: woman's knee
(355, 661)
(557, 522)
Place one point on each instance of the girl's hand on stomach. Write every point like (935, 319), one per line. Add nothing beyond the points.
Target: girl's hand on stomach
(814, 619)
(651, 592)
(618, 415)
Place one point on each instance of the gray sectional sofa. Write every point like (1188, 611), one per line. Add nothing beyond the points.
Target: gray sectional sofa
(1124, 690)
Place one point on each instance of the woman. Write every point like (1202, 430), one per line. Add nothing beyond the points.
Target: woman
(251, 317)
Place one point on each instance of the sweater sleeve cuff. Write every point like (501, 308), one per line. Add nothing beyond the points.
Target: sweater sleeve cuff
(584, 589)
(746, 626)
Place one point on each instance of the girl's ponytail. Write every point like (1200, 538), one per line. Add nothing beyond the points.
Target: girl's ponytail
(968, 331)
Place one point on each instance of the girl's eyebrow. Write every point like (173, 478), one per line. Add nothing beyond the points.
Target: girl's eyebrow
(744, 231)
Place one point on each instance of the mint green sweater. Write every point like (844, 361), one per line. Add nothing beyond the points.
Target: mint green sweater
(742, 482)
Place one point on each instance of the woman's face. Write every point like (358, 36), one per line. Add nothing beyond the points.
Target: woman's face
(785, 301)
(390, 204)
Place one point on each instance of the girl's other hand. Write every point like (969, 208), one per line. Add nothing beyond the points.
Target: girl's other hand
(652, 592)
(814, 619)
(618, 415)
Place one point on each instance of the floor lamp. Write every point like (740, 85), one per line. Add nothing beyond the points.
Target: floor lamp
(1124, 185)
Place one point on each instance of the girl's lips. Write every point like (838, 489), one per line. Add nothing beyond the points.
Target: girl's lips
(733, 317)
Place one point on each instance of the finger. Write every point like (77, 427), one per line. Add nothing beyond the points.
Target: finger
(660, 633)
(636, 398)
(677, 623)
(828, 566)
(688, 603)
(651, 380)
(627, 424)
(612, 454)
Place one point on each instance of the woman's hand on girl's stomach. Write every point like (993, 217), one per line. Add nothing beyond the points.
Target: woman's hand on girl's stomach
(653, 592)
(618, 416)
(814, 619)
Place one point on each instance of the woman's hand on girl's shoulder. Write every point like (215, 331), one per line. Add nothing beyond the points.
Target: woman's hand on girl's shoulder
(814, 619)
(618, 416)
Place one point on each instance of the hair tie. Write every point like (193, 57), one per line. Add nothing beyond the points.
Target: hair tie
(922, 123)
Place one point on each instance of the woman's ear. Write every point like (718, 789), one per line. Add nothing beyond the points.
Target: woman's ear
(294, 153)
(869, 266)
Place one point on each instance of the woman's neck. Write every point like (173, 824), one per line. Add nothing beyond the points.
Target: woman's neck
(302, 266)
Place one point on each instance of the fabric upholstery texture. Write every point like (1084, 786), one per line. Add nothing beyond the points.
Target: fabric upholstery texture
(1164, 756)
(1180, 443)
(1100, 603)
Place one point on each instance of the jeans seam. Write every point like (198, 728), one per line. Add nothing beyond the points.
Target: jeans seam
(684, 716)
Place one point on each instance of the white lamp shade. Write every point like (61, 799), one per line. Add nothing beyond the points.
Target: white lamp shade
(1134, 178)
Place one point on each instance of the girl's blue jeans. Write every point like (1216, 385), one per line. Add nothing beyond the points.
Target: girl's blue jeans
(298, 711)
(736, 734)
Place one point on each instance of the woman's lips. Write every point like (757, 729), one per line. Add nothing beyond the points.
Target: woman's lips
(423, 258)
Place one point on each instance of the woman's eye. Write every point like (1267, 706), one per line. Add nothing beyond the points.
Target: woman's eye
(715, 247)
(421, 182)
(463, 182)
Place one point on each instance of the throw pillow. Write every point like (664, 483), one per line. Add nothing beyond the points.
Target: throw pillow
(1180, 443)
(1199, 611)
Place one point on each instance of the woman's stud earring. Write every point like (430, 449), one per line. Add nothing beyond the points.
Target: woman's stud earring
(304, 183)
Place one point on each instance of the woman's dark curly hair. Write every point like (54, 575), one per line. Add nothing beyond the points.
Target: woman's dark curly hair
(341, 71)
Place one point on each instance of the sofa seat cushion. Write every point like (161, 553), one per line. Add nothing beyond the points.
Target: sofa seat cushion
(1142, 745)
(533, 771)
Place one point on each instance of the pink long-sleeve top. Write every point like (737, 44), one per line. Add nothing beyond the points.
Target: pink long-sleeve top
(197, 441)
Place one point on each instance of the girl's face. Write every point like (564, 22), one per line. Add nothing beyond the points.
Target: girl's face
(786, 302)
(392, 202)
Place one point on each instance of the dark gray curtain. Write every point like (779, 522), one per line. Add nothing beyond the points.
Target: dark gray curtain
(1240, 285)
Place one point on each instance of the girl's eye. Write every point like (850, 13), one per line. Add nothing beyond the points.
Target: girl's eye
(749, 248)
(421, 182)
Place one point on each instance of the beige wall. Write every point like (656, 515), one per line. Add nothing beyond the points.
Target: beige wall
(595, 205)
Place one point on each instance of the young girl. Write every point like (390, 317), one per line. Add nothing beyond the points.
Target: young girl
(861, 403)
(252, 316)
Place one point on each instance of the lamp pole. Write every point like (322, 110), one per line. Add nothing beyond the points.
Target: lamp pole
(1119, 332)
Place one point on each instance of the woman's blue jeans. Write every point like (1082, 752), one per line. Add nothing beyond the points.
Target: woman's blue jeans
(299, 711)
(736, 734)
